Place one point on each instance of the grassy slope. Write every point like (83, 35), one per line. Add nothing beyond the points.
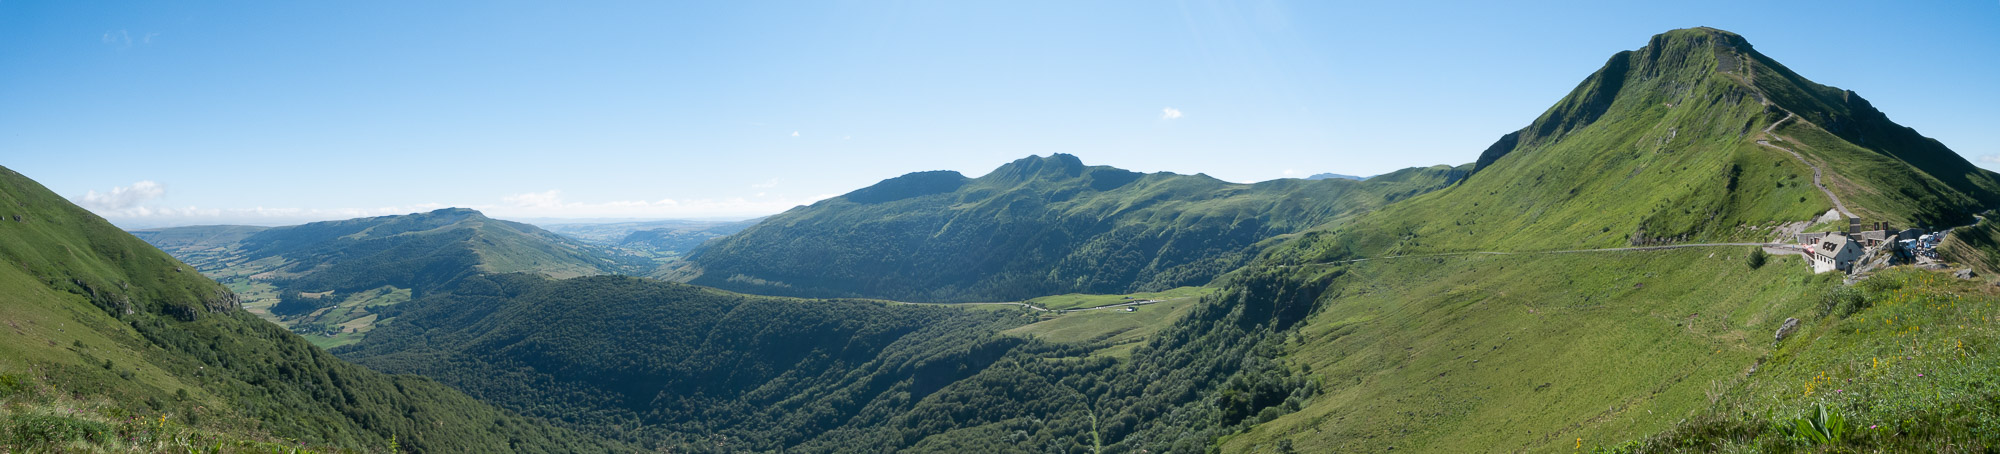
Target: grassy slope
(1911, 370)
(1661, 145)
(1977, 246)
(95, 312)
(1447, 353)
(1658, 146)
(1083, 300)
(1037, 226)
(1115, 332)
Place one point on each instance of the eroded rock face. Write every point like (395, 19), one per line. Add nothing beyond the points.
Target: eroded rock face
(1791, 324)
(1964, 274)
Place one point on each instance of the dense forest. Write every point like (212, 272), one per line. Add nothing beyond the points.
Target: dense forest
(659, 363)
(1036, 226)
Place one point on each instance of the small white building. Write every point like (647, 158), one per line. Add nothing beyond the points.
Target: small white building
(1833, 252)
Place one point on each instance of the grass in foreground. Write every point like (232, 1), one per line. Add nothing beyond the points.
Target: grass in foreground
(1505, 353)
(36, 417)
(1906, 361)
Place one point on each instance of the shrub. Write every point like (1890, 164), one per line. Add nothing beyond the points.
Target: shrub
(1842, 301)
(1758, 257)
(53, 430)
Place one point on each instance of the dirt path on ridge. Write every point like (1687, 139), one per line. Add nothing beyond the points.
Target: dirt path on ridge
(1816, 172)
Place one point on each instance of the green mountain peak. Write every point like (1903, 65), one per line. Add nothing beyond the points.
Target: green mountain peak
(1695, 136)
(1054, 166)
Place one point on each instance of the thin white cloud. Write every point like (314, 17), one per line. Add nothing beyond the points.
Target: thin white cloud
(795, 133)
(766, 185)
(1290, 172)
(1170, 113)
(120, 39)
(1990, 159)
(122, 197)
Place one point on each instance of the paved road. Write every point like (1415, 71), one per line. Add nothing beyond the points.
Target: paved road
(1816, 172)
(1575, 251)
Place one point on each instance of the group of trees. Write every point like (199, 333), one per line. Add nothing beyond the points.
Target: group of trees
(669, 365)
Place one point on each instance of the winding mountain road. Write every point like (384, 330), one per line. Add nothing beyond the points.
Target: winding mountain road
(1779, 246)
(1816, 172)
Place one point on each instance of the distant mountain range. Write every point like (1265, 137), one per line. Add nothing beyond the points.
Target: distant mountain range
(661, 240)
(330, 279)
(1036, 226)
(1334, 176)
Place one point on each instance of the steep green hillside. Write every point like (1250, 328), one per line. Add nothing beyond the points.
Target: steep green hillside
(1429, 335)
(1976, 246)
(1662, 145)
(1037, 226)
(99, 322)
(330, 280)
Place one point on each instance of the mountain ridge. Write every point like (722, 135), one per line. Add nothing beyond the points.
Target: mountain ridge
(1031, 227)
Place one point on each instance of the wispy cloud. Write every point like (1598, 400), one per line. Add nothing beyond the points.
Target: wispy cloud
(1990, 159)
(117, 38)
(795, 133)
(1170, 113)
(122, 39)
(122, 197)
(766, 185)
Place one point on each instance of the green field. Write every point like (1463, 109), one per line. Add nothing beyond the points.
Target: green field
(1082, 300)
(1114, 331)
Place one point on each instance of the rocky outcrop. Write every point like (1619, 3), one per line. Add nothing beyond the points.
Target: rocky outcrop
(1791, 324)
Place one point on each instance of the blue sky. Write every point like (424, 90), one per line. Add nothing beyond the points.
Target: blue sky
(169, 113)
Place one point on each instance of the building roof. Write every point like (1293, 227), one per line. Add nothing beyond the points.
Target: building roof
(1831, 245)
